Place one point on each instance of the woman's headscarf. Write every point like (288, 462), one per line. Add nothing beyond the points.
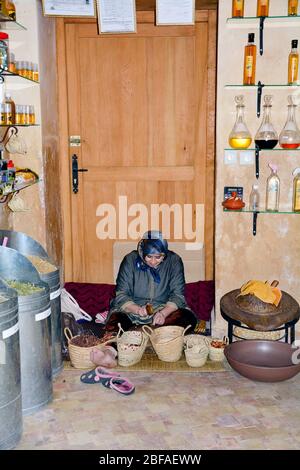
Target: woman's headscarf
(152, 243)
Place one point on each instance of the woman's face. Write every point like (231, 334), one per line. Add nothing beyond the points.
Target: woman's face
(154, 260)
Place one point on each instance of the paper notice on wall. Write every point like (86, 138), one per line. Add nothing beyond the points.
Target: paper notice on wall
(115, 16)
(69, 8)
(172, 12)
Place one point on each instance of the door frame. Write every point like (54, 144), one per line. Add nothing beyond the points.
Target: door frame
(65, 167)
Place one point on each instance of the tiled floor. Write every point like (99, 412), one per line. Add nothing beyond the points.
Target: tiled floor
(170, 410)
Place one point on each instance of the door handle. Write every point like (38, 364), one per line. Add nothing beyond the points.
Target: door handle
(75, 171)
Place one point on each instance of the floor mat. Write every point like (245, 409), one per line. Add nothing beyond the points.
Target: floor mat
(151, 362)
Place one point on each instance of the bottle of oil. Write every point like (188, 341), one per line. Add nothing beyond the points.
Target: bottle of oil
(262, 8)
(11, 9)
(296, 190)
(266, 136)
(250, 61)
(293, 8)
(240, 137)
(238, 8)
(273, 190)
(3, 9)
(8, 100)
(293, 63)
(289, 137)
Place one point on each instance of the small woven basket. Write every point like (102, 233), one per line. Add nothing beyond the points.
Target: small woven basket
(196, 350)
(217, 354)
(167, 341)
(80, 355)
(131, 346)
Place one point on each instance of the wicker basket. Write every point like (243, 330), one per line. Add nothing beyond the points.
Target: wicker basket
(79, 355)
(196, 350)
(131, 346)
(217, 354)
(167, 341)
(242, 333)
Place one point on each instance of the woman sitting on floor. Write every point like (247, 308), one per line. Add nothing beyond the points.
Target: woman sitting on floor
(150, 288)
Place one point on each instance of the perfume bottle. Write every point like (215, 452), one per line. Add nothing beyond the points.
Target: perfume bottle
(240, 137)
(292, 7)
(262, 8)
(289, 137)
(254, 198)
(249, 61)
(266, 136)
(237, 8)
(273, 190)
(296, 190)
(293, 63)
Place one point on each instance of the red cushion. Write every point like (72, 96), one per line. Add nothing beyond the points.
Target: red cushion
(95, 298)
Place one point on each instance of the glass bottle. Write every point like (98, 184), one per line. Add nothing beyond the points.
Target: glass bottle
(296, 190)
(293, 63)
(273, 190)
(293, 8)
(289, 137)
(11, 9)
(262, 8)
(237, 8)
(249, 61)
(266, 136)
(254, 198)
(240, 137)
(8, 100)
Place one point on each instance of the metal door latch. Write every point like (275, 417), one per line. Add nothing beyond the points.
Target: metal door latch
(75, 171)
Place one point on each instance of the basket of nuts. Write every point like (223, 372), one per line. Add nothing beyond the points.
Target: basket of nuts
(216, 349)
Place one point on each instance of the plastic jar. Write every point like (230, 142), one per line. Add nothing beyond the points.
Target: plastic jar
(4, 51)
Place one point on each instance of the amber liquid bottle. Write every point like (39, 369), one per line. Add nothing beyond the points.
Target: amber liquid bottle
(262, 8)
(250, 61)
(293, 64)
(293, 7)
(238, 8)
(11, 9)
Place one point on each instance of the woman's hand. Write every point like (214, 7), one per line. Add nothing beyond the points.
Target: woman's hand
(141, 312)
(159, 318)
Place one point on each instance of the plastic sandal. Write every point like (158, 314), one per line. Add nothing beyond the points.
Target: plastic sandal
(98, 375)
(121, 385)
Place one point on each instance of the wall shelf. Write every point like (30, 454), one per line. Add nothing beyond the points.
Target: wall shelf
(263, 150)
(8, 23)
(15, 189)
(6, 73)
(270, 21)
(255, 215)
(19, 125)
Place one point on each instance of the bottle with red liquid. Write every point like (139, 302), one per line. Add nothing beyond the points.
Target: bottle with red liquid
(289, 137)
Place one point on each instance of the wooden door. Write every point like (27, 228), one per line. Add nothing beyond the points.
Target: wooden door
(144, 110)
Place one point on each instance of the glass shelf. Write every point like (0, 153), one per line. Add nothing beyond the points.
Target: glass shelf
(282, 85)
(261, 211)
(19, 125)
(16, 188)
(6, 73)
(263, 150)
(270, 21)
(8, 23)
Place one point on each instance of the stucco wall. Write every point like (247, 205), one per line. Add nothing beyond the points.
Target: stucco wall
(274, 253)
(25, 46)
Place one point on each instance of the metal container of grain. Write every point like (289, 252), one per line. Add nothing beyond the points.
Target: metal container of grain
(34, 327)
(10, 373)
(49, 273)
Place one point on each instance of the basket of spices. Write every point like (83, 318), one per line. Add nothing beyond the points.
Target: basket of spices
(167, 341)
(80, 347)
(216, 349)
(131, 346)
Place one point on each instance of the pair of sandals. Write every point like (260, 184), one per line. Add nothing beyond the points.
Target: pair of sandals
(109, 379)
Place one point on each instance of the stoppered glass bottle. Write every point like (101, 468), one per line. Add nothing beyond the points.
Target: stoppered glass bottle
(262, 8)
(289, 137)
(266, 136)
(293, 8)
(240, 137)
(238, 8)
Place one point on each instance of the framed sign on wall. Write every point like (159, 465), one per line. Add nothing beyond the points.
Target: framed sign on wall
(115, 16)
(175, 12)
(75, 8)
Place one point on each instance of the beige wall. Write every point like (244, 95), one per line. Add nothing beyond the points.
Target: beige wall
(274, 252)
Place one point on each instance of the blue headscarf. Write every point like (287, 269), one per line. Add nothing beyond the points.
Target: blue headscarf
(152, 243)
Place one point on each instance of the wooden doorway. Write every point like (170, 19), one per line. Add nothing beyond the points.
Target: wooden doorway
(144, 107)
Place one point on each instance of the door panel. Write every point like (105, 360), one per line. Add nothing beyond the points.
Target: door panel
(139, 103)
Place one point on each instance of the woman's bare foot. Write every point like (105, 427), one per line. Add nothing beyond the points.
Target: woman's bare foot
(105, 357)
